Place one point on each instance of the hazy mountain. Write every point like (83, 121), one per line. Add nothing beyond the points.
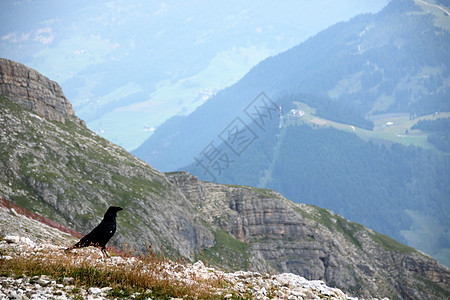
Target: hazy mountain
(51, 164)
(371, 79)
(393, 61)
(127, 66)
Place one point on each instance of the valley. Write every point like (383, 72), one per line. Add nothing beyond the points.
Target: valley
(388, 128)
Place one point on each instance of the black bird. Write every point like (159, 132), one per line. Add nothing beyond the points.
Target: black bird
(101, 234)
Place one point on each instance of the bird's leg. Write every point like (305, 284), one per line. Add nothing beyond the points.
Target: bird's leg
(104, 252)
(69, 249)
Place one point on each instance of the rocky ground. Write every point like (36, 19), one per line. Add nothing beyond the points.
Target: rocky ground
(26, 237)
(259, 286)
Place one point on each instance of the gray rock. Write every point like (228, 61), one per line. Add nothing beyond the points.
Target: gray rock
(34, 91)
(68, 280)
(43, 282)
(302, 239)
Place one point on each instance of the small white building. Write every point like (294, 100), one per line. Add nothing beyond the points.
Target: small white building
(296, 113)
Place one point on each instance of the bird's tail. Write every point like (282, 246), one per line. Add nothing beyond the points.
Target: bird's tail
(69, 249)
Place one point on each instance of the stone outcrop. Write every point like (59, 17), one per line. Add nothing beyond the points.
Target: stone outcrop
(34, 91)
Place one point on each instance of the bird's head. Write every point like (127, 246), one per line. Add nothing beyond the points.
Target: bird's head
(112, 210)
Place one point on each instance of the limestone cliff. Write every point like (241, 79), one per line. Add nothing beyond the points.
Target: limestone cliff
(67, 173)
(290, 237)
(34, 91)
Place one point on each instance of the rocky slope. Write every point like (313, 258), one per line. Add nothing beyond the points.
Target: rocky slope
(68, 174)
(83, 173)
(289, 237)
(24, 236)
(234, 285)
(13, 223)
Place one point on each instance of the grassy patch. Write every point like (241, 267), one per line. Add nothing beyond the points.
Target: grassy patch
(227, 252)
(399, 132)
(261, 192)
(348, 229)
(333, 222)
(390, 244)
(429, 287)
(136, 186)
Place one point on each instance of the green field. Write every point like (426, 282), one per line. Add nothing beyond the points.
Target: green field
(387, 128)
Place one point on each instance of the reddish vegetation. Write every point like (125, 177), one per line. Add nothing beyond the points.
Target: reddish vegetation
(39, 218)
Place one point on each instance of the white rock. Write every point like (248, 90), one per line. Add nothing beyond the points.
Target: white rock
(106, 289)
(198, 265)
(12, 239)
(94, 290)
(263, 291)
(27, 241)
(43, 282)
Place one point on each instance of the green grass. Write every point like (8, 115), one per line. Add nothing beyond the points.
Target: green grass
(390, 244)
(350, 229)
(429, 287)
(261, 192)
(399, 132)
(336, 223)
(227, 252)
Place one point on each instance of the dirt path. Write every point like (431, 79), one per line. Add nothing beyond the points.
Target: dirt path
(435, 5)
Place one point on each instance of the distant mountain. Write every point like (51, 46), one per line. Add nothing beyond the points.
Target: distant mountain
(127, 67)
(374, 76)
(66, 173)
(392, 61)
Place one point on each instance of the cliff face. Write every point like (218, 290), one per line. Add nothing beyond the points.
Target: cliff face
(69, 174)
(289, 237)
(34, 91)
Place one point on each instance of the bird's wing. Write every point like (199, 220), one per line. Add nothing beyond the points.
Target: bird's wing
(99, 236)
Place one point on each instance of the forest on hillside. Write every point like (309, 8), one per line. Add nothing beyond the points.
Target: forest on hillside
(439, 132)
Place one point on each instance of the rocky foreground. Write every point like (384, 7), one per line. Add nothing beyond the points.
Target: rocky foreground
(233, 285)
